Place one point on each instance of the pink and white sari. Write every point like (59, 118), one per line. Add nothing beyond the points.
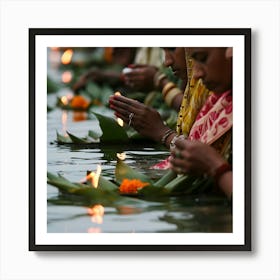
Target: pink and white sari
(212, 122)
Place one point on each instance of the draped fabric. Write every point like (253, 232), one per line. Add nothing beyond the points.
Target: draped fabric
(148, 55)
(194, 97)
(214, 119)
(204, 116)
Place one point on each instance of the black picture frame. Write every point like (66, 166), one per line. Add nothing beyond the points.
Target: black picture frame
(245, 33)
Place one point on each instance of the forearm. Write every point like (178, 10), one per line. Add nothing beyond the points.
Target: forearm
(225, 183)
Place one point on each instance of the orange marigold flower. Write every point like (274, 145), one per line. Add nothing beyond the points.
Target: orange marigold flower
(131, 186)
(79, 101)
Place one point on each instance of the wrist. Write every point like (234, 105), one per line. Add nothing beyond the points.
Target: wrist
(166, 135)
(219, 171)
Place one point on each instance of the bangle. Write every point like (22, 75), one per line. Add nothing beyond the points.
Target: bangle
(166, 134)
(167, 88)
(158, 78)
(171, 94)
(222, 169)
(172, 143)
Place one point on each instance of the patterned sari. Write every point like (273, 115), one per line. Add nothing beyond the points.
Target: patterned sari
(204, 116)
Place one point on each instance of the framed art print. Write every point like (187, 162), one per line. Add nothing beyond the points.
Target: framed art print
(97, 181)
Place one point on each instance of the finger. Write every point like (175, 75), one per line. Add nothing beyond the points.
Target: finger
(182, 143)
(128, 102)
(179, 165)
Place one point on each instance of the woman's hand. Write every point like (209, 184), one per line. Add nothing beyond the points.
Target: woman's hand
(146, 120)
(140, 77)
(198, 158)
(194, 157)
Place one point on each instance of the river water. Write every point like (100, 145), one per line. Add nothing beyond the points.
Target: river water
(202, 213)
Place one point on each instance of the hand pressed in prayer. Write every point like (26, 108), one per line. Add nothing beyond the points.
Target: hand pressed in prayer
(194, 157)
(144, 119)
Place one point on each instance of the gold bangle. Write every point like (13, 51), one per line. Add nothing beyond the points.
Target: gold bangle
(169, 97)
(158, 78)
(167, 88)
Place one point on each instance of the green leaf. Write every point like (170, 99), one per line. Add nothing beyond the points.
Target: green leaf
(112, 132)
(77, 140)
(123, 171)
(166, 178)
(188, 184)
(152, 191)
(62, 183)
(106, 184)
(180, 180)
(62, 139)
(94, 134)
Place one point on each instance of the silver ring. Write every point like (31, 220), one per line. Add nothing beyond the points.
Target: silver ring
(130, 117)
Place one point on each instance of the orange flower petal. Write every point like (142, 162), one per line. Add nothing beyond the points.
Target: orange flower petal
(131, 186)
(79, 101)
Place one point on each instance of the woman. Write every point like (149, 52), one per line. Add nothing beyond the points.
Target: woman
(213, 124)
(147, 121)
(146, 77)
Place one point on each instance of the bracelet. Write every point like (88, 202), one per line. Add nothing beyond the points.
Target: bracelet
(166, 134)
(158, 78)
(171, 94)
(222, 169)
(167, 88)
(172, 143)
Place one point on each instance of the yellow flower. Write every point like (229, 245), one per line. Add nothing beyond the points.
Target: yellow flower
(131, 186)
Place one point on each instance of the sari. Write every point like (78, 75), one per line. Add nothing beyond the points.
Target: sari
(204, 116)
(194, 97)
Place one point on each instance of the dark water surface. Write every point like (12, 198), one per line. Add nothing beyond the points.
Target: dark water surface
(70, 215)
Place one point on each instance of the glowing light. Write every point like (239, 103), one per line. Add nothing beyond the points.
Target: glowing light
(67, 56)
(120, 121)
(64, 118)
(96, 212)
(64, 100)
(94, 230)
(93, 177)
(66, 77)
(117, 93)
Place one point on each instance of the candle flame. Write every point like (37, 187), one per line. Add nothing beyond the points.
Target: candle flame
(120, 121)
(64, 100)
(121, 156)
(67, 56)
(93, 177)
(117, 93)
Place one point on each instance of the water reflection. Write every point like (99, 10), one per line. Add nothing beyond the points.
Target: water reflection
(96, 212)
(67, 213)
